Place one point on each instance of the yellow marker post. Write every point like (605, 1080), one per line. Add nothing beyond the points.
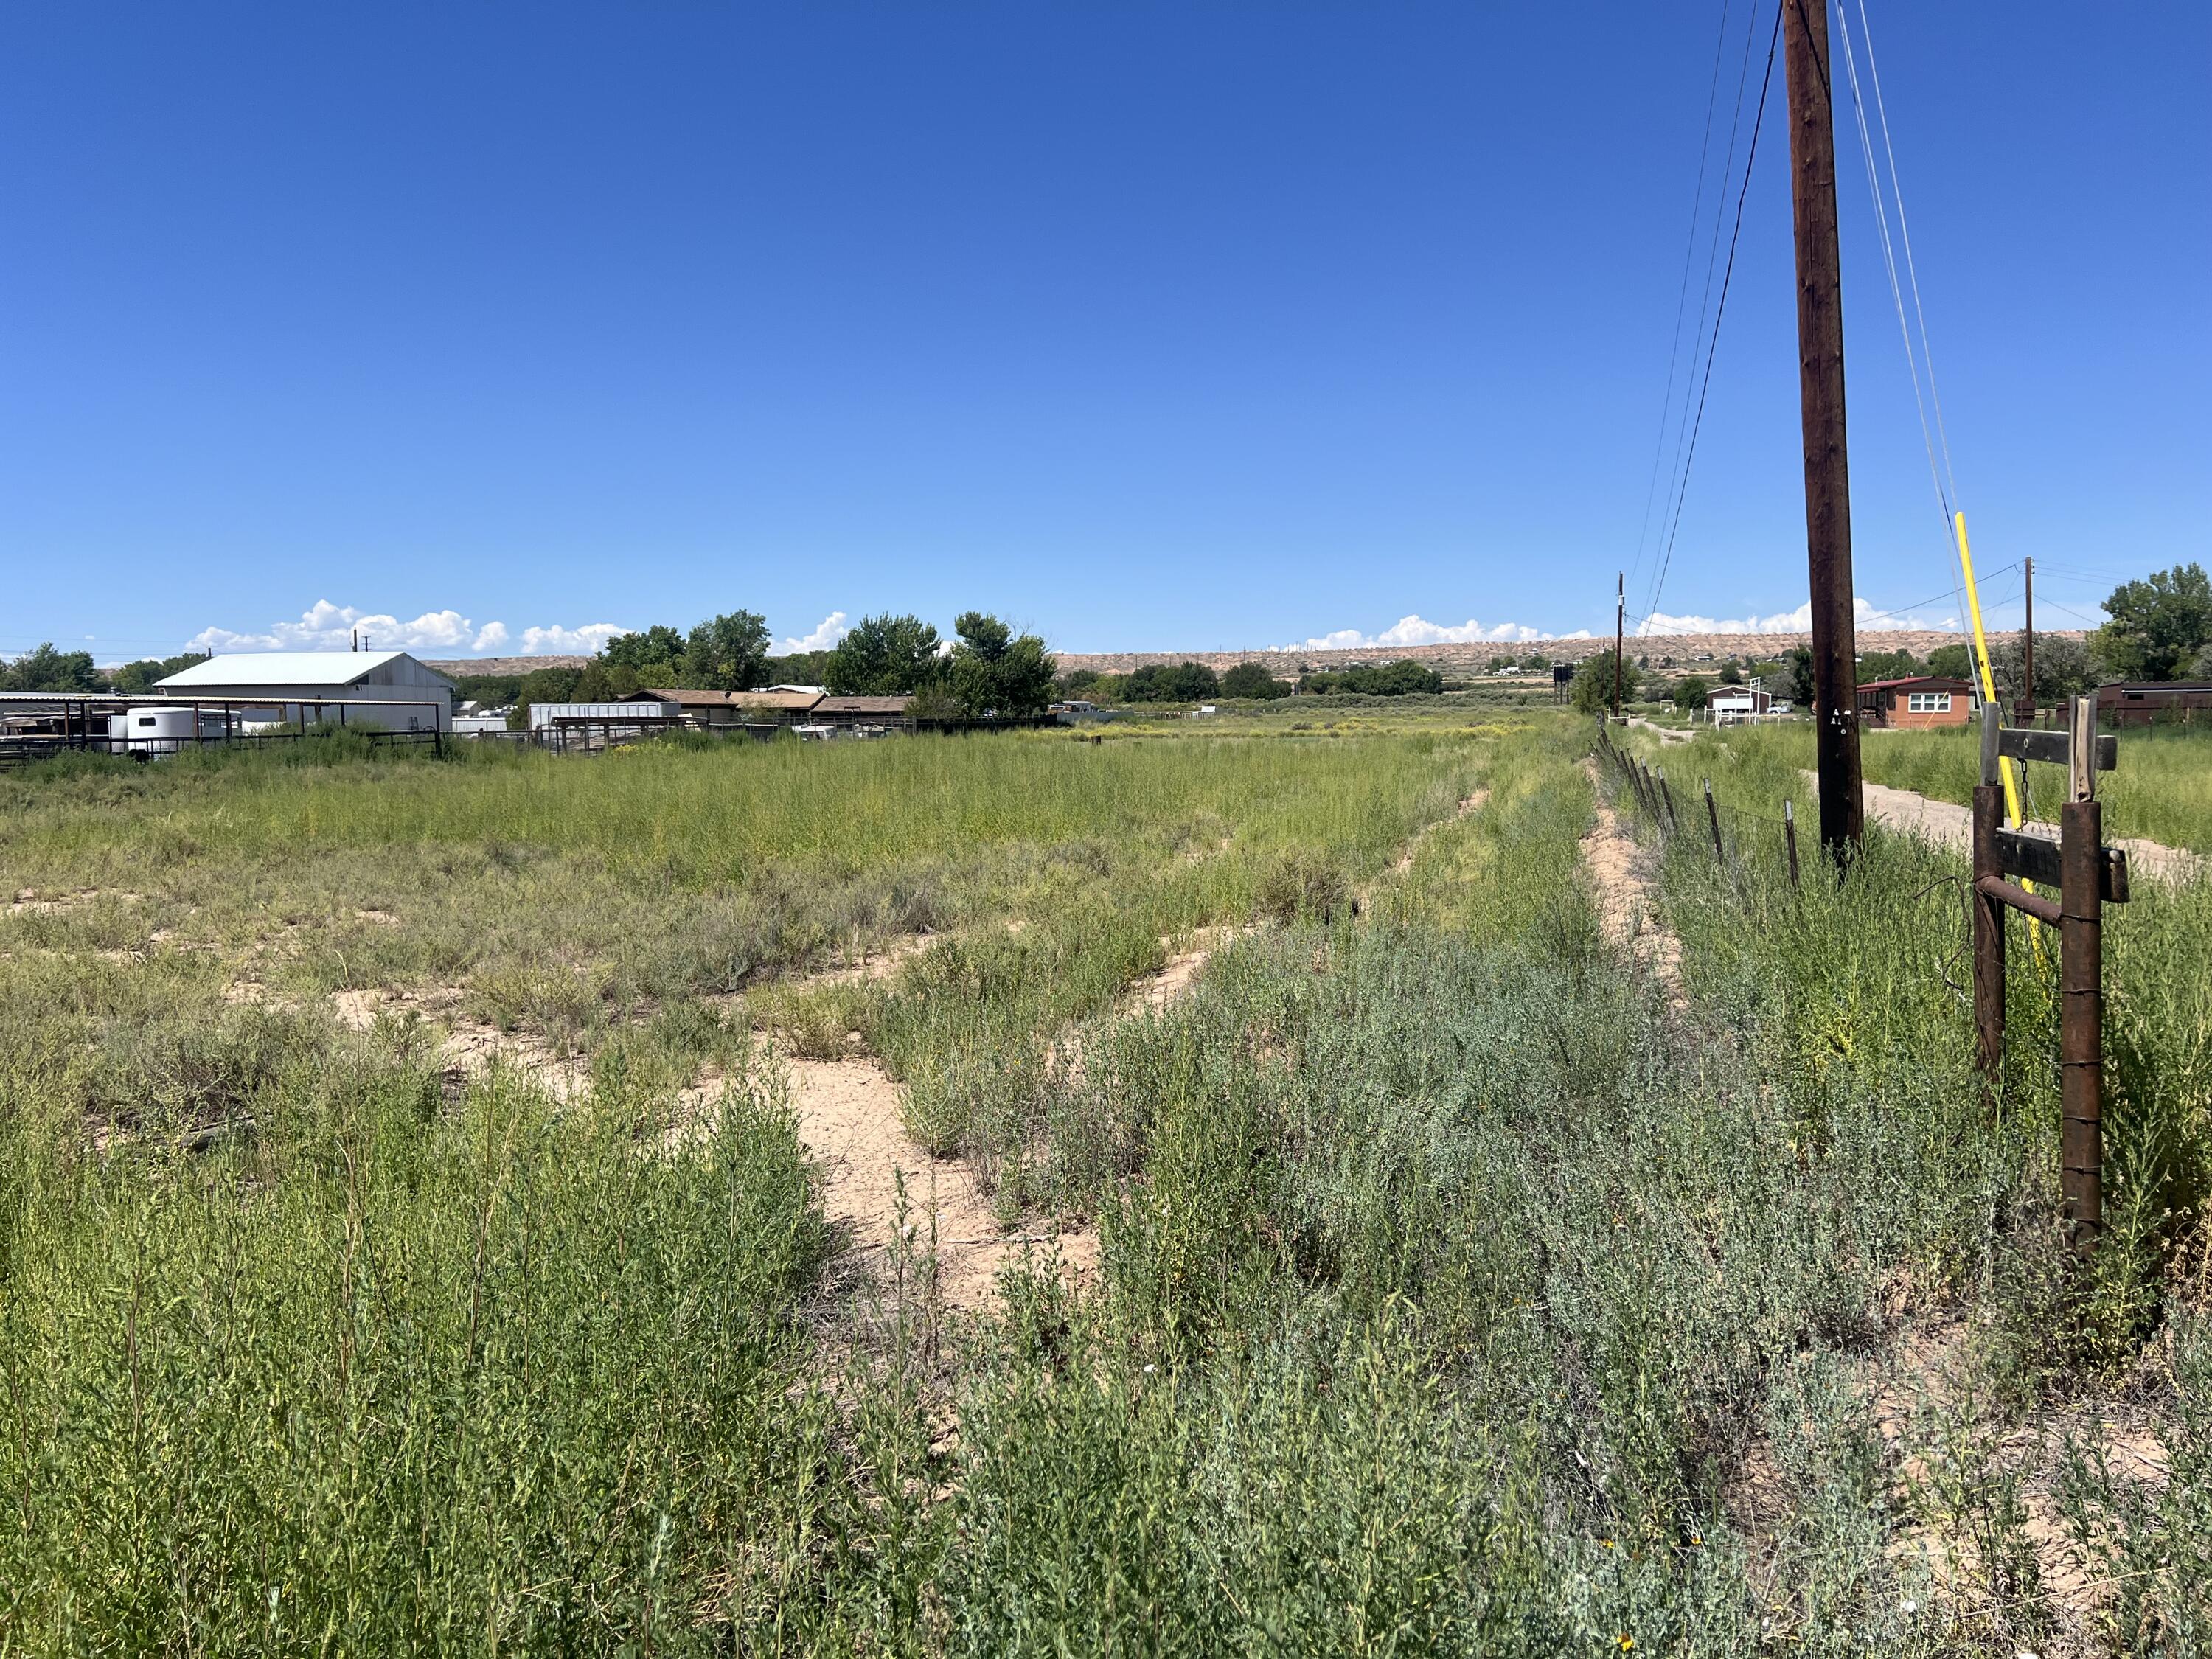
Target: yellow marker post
(2009, 768)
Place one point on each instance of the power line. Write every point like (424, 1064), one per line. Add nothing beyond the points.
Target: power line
(1689, 258)
(1751, 158)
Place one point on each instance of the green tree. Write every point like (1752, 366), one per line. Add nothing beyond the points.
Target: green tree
(1252, 679)
(1536, 663)
(45, 669)
(1079, 681)
(1873, 665)
(543, 686)
(1952, 662)
(728, 653)
(1690, 693)
(1591, 689)
(886, 656)
(2062, 669)
(995, 670)
(1797, 676)
(657, 644)
(145, 674)
(799, 668)
(1732, 672)
(1185, 682)
(2158, 628)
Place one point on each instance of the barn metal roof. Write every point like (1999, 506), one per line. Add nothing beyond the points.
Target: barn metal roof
(283, 668)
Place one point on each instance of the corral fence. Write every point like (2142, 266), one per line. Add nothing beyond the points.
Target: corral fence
(20, 750)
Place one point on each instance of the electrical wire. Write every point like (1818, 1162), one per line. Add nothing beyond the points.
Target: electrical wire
(1682, 295)
(1736, 234)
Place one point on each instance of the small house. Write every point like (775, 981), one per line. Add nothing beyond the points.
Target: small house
(1916, 700)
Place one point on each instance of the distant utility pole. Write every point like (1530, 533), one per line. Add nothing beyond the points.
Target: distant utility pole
(1820, 393)
(2024, 713)
(1619, 615)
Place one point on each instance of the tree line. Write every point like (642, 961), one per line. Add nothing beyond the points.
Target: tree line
(986, 668)
(1195, 681)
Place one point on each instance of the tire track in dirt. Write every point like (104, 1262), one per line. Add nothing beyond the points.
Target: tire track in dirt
(1625, 908)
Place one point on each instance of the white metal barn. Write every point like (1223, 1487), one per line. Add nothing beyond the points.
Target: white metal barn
(386, 688)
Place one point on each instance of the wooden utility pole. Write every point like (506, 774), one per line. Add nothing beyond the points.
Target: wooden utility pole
(1619, 616)
(2024, 713)
(1820, 391)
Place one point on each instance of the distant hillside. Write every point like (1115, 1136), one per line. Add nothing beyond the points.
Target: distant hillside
(1684, 648)
(453, 669)
(1471, 659)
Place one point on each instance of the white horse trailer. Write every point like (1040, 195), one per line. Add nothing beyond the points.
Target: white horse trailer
(149, 732)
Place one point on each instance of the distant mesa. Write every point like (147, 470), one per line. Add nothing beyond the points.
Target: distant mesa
(1472, 657)
(456, 667)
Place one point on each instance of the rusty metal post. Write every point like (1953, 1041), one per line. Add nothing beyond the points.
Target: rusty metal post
(2080, 982)
(1789, 838)
(1674, 822)
(1713, 818)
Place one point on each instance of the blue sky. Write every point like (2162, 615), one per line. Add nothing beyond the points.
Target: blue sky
(1148, 326)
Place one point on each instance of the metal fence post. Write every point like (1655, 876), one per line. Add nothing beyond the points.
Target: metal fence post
(1713, 818)
(1988, 917)
(1667, 795)
(1789, 839)
(2081, 979)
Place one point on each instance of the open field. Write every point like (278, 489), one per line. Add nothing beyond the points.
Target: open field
(419, 1224)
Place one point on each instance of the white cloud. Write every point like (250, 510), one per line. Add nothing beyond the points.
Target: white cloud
(826, 632)
(1416, 631)
(1659, 624)
(568, 641)
(326, 627)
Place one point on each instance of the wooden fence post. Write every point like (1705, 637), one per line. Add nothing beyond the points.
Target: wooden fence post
(2081, 979)
(1789, 839)
(1667, 795)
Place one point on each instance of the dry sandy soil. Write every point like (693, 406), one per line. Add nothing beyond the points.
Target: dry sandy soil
(1625, 910)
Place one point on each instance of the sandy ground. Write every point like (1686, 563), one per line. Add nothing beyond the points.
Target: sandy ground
(849, 1116)
(1625, 910)
(1665, 733)
(470, 1046)
(1948, 825)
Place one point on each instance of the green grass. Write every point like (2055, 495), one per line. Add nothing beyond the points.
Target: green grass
(1456, 1295)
